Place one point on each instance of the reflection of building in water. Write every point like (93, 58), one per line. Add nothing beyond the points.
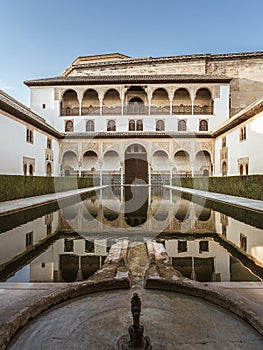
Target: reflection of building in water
(206, 261)
(24, 239)
(149, 212)
(69, 260)
(73, 258)
(245, 237)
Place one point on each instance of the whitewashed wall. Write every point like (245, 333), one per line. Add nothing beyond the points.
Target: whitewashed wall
(14, 147)
(45, 95)
(251, 147)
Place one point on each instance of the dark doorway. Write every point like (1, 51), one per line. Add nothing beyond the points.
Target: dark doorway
(136, 165)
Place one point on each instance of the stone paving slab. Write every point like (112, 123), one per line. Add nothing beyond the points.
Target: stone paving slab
(9, 207)
(241, 202)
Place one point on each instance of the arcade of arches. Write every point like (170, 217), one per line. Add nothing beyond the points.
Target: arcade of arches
(136, 163)
(137, 100)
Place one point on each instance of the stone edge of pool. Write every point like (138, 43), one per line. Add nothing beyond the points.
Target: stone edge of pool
(243, 299)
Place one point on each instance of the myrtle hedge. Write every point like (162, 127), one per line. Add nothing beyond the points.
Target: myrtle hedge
(16, 186)
(250, 186)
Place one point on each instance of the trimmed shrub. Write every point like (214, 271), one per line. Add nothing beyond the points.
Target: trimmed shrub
(18, 186)
(250, 186)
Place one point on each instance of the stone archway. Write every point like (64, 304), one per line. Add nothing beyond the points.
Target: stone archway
(136, 164)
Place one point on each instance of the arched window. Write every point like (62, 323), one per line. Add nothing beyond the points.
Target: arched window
(132, 125)
(246, 169)
(31, 169)
(139, 125)
(160, 125)
(241, 170)
(206, 172)
(90, 125)
(182, 125)
(49, 169)
(111, 125)
(69, 125)
(224, 169)
(203, 125)
(25, 169)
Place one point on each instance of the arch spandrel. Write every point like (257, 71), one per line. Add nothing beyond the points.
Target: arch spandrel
(91, 146)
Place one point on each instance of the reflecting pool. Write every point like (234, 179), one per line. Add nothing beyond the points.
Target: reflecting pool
(69, 241)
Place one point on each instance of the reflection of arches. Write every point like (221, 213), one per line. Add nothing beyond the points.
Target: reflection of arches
(183, 211)
(111, 161)
(89, 265)
(203, 162)
(90, 159)
(70, 213)
(69, 103)
(136, 205)
(69, 266)
(49, 169)
(110, 215)
(136, 165)
(203, 214)
(160, 209)
(181, 125)
(182, 162)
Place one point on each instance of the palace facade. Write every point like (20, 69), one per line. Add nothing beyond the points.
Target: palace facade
(146, 119)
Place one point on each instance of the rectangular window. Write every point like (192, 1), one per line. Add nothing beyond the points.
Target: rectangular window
(243, 133)
(243, 242)
(29, 135)
(29, 239)
(49, 143)
(223, 142)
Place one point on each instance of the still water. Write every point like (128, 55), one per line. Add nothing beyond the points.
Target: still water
(69, 241)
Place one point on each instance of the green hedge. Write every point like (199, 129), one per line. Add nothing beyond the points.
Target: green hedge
(16, 186)
(250, 186)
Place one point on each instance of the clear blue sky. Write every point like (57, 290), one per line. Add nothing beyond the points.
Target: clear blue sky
(41, 38)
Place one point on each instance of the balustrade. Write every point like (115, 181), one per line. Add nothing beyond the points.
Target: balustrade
(203, 110)
(69, 111)
(138, 109)
(90, 110)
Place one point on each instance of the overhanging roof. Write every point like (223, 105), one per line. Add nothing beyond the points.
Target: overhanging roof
(246, 113)
(9, 105)
(127, 79)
